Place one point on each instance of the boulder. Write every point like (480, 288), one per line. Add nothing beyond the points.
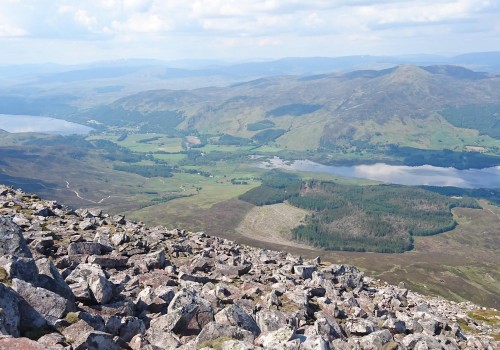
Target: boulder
(196, 311)
(12, 241)
(9, 316)
(160, 332)
(91, 277)
(270, 320)
(304, 271)
(276, 338)
(84, 248)
(50, 279)
(19, 267)
(314, 342)
(234, 315)
(20, 344)
(214, 331)
(108, 261)
(376, 340)
(40, 306)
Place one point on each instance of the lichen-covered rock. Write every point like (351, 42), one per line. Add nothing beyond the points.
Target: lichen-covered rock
(91, 277)
(234, 315)
(214, 331)
(12, 241)
(9, 314)
(276, 338)
(39, 305)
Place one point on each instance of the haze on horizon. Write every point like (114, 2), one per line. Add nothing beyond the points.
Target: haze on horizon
(70, 32)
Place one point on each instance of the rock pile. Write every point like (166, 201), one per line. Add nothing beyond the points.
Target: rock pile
(86, 280)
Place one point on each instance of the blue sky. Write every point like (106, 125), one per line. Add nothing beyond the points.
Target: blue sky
(72, 31)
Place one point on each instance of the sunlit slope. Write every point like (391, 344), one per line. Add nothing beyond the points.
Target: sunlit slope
(406, 105)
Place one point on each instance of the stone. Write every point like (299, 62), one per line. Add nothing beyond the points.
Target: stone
(270, 320)
(84, 248)
(12, 241)
(91, 277)
(20, 344)
(53, 341)
(213, 331)
(196, 311)
(9, 314)
(304, 271)
(160, 332)
(96, 340)
(50, 279)
(276, 338)
(360, 327)
(108, 261)
(327, 327)
(19, 267)
(237, 345)
(39, 305)
(314, 342)
(376, 340)
(234, 315)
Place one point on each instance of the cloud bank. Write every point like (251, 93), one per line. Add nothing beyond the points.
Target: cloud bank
(71, 31)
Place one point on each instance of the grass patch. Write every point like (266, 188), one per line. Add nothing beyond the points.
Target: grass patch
(215, 344)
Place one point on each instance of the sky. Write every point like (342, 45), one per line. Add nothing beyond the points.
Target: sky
(76, 31)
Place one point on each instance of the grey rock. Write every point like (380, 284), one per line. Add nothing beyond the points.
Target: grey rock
(53, 341)
(9, 316)
(108, 261)
(234, 315)
(50, 279)
(12, 241)
(39, 306)
(84, 248)
(237, 345)
(196, 311)
(270, 320)
(160, 332)
(327, 327)
(214, 330)
(421, 341)
(360, 327)
(96, 340)
(376, 340)
(314, 342)
(91, 276)
(304, 271)
(19, 267)
(276, 338)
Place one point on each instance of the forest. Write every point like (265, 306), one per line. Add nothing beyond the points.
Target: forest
(376, 218)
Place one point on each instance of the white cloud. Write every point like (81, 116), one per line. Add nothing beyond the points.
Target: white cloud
(143, 23)
(277, 27)
(7, 30)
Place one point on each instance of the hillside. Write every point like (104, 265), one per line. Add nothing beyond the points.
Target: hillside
(429, 108)
(81, 279)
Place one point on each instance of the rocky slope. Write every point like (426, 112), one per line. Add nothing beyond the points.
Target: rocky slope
(84, 280)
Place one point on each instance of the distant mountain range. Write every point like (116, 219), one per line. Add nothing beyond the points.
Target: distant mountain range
(343, 104)
(430, 107)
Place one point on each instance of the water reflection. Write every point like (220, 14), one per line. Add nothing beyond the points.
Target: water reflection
(399, 174)
(46, 125)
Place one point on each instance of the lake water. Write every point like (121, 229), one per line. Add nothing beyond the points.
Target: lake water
(46, 125)
(399, 174)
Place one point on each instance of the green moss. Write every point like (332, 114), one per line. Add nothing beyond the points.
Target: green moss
(4, 276)
(72, 317)
(215, 343)
(490, 317)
